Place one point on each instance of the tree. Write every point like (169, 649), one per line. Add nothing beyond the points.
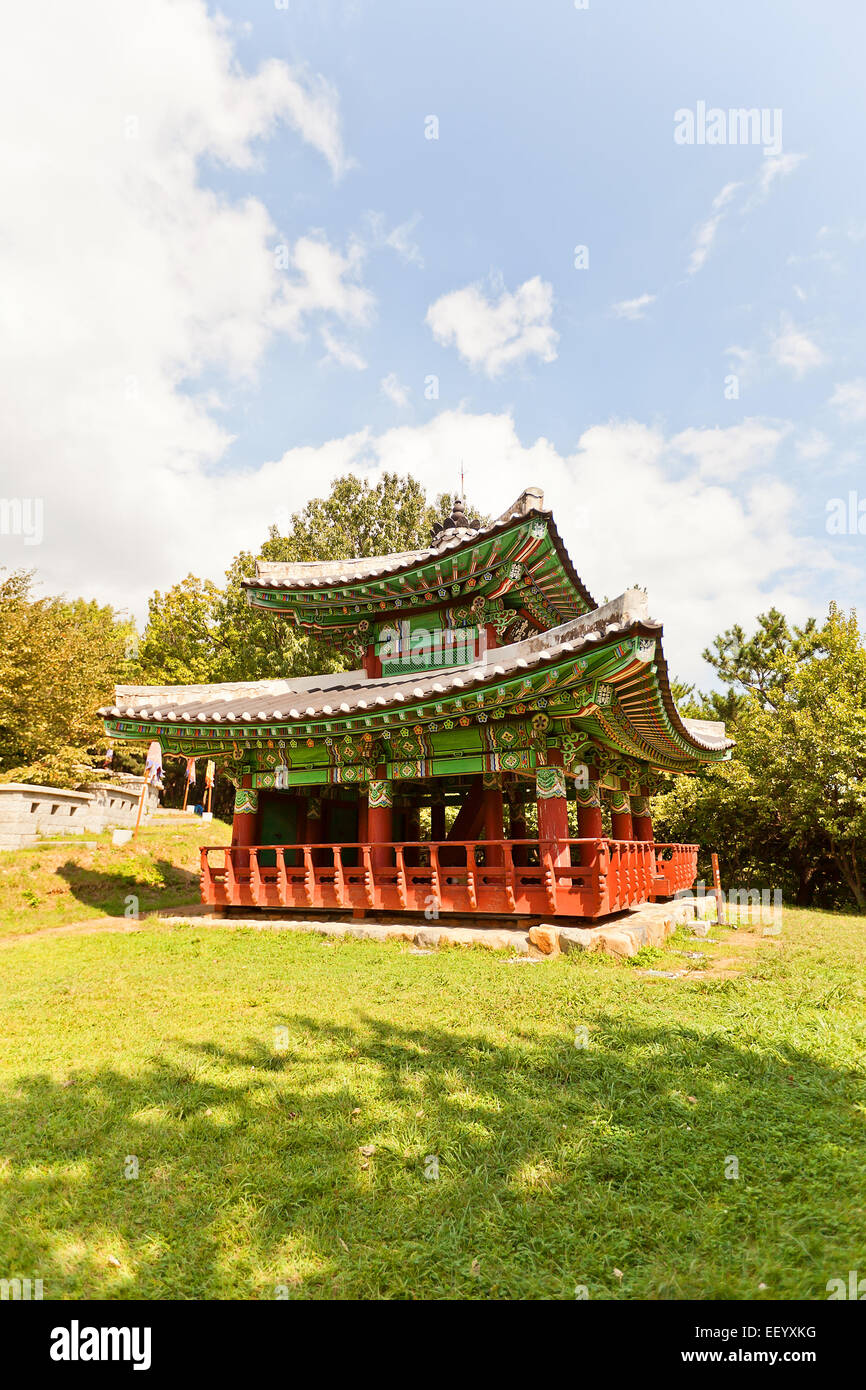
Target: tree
(791, 804)
(59, 660)
(763, 665)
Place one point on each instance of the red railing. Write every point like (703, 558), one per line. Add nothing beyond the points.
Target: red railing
(573, 878)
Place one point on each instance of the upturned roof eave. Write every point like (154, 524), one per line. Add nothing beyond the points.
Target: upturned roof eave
(402, 563)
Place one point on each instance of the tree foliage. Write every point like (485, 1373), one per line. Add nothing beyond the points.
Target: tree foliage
(59, 660)
(789, 809)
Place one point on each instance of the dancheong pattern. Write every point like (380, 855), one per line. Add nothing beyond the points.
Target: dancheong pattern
(380, 794)
(549, 782)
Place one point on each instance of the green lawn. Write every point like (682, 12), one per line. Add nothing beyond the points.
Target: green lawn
(558, 1165)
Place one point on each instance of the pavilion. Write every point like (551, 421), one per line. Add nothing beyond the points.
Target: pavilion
(491, 697)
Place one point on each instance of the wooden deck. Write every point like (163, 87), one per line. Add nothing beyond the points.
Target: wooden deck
(565, 878)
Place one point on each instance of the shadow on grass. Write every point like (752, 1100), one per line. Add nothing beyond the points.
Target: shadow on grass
(556, 1164)
(108, 889)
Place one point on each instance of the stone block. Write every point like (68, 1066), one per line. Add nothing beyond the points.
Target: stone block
(617, 942)
(545, 939)
(575, 939)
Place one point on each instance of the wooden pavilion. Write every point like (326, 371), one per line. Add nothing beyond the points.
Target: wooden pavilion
(490, 694)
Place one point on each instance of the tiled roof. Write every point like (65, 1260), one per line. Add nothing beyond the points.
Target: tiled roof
(317, 574)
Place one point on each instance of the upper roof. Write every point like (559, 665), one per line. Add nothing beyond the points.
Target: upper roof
(520, 557)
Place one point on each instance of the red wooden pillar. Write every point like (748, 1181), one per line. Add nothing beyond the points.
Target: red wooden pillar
(641, 819)
(621, 827)
(550, 792)
(590, 825)
(245, 822)
(380, 820)
(362, 816)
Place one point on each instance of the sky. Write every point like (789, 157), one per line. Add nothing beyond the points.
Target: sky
(244, 250)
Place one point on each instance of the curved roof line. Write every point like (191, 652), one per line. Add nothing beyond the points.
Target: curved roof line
(316, 574)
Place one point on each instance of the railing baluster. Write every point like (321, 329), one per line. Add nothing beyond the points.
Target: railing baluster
(369, 880)
(231, 881)
(401, 875)
(509, 877)
(282, 877)
(309, 877)
(205, 877)
(435, 882)
(255, 877)
(339, 882)
(549, 874)
(471, 866)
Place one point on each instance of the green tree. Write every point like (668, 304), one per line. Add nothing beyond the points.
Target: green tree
(763, 665)
(791, 804)
(59, 661)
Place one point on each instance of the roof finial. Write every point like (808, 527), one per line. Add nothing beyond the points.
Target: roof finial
(456, 521)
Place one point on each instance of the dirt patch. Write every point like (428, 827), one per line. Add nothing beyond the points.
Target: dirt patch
(731, 967)
(92, 927)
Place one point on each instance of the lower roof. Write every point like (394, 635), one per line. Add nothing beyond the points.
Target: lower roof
(644, 698)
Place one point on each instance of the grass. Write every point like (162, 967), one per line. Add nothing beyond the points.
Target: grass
(50, 885)
(289, 1100)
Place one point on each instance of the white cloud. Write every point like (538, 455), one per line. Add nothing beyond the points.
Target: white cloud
(775, 167)
(793, 348)
(724, 454)
(772, 167)
(324, 281)
(706, 233)
(342, 353)
(849, 398)
(393, 388)
(492, 334)
(745, 360)
(634, 308)
(123, 279)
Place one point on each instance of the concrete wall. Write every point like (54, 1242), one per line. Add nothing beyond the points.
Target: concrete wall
(29, 814)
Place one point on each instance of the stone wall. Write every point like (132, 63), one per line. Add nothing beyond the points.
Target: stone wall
(29, 813)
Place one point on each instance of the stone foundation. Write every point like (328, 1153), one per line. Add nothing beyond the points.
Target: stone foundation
(643, 926)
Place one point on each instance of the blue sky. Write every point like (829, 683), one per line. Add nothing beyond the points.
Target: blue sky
(255, 260)
(556, 130)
